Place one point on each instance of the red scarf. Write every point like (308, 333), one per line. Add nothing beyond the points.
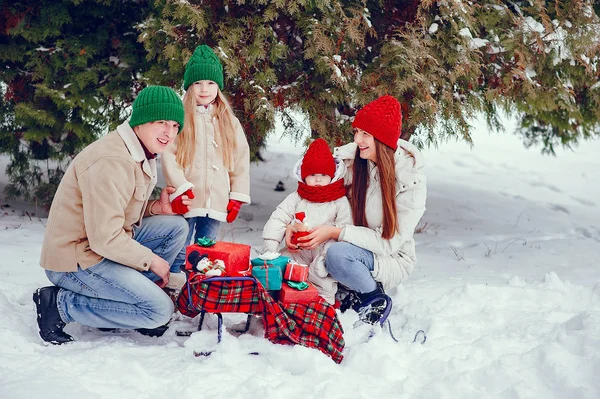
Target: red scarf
(327, 193)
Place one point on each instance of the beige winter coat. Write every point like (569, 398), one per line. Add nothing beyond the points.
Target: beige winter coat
(395, 258)
(335, 213)
(102, 195)
(212, 183)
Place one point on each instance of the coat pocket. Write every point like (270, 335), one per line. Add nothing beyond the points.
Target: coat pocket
(411, 190)
(134, 210)
(140, 193)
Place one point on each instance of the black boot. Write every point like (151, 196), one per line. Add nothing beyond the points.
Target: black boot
(375, 306)
(149, 332)
(369, 295)
(48, 319)
(354, 300)
(350, 301)
(153, 332)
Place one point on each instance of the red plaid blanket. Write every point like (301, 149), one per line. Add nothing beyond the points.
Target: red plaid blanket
(232, 296)
(314, 325)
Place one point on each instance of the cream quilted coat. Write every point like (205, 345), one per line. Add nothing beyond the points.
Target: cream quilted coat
(395, 258)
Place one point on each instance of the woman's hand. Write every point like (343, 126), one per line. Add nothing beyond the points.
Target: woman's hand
(318, 236)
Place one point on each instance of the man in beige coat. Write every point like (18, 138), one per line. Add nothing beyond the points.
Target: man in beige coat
(107, 249)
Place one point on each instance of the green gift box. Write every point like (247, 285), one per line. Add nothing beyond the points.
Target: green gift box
(268, 275)
(280, 262)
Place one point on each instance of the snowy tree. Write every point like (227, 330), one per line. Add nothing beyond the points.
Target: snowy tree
(71, 67)
(537, 60)
(68, 70)
(445, 60)
(278, 56)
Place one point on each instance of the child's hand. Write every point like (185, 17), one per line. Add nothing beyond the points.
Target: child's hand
(233, 208)
(164, 205)
(181, 204)
(289, 231)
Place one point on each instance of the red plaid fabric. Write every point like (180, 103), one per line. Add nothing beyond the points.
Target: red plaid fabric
(314, 325)
(234, 296)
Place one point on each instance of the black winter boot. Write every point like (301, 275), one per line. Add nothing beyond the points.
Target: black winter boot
(48, 319)
(368, 295)
(153, 332)
(354, 300)
(375, 306)
(149, 332)
(350, 300)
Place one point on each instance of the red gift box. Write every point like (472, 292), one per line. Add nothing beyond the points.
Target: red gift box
(292, 295)
(235, 256)
(296, 272)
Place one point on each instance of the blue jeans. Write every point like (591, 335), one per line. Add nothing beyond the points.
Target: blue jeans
(351, 266)
(199, 226)
(111, 295)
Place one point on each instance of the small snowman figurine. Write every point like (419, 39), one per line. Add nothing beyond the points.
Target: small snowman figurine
(210, 268)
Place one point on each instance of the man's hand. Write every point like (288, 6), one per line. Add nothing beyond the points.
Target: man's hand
(160, 267)
(181, 204)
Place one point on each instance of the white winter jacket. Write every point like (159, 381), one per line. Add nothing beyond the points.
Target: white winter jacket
(395, 258)
(335, 213)
(213, 184)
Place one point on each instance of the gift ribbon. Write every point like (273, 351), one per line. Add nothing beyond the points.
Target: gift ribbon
(299, 286)
(205, 242)
(266, 267)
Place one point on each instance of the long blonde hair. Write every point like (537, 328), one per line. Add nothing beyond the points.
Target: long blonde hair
(225, 132)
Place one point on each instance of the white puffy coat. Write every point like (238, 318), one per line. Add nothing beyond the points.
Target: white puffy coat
(335, 213)
(395, 258)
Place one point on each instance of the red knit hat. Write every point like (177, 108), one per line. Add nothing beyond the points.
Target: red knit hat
(318, 160)
(382, 119)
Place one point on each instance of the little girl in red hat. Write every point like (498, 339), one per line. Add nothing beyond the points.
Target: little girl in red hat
(319, 200)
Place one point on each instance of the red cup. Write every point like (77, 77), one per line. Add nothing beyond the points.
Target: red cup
(297, 235)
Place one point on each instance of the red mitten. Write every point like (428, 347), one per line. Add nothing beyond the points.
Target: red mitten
(233, 208)
(177, 205)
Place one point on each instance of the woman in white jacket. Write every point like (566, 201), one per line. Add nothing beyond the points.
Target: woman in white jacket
(387, 196)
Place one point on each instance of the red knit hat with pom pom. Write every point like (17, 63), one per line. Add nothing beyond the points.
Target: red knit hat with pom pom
(318, 160)
(382, 119)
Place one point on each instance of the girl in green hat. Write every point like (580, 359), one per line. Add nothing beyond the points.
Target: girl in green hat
(209, 161)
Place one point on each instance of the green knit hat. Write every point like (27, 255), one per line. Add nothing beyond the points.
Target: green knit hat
(204, 65)
(157, 103)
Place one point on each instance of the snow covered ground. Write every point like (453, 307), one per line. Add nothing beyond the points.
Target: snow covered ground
(507, 289)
